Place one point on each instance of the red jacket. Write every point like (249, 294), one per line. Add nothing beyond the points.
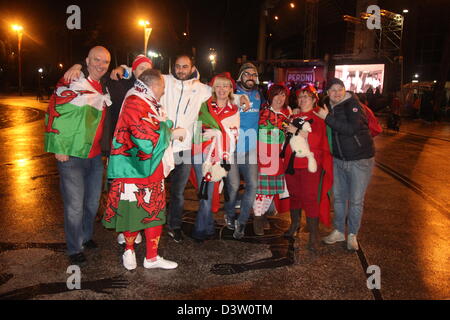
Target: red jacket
(318, 144)
(317, 140)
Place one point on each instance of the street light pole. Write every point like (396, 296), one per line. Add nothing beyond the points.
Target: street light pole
(20, 62)
(19, 29)
(147, 32)
(212, 59)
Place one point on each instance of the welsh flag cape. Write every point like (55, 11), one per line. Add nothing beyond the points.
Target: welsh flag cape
(226, 123)
(139, 146)
(73, 118)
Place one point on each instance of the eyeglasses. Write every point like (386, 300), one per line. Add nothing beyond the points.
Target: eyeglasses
(253, 75)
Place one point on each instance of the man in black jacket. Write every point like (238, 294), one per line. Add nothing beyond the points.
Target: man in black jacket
(353, 160)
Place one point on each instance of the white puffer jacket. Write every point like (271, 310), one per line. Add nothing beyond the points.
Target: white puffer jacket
(182, 101)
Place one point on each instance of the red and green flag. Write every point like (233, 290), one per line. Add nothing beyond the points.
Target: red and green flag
(73, 117)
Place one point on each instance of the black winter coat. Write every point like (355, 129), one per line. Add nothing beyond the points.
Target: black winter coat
(350, 130)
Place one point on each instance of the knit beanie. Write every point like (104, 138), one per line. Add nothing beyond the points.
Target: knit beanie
(140, 59)
(245, 66)
(335, 81)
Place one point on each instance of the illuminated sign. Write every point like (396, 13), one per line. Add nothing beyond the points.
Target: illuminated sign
(300, 76)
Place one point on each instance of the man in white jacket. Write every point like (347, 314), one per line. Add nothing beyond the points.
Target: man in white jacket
(183, 97)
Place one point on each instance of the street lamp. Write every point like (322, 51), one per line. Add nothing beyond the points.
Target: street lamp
(19, 30)
(40, 77)
(212, 58)
(147, 31)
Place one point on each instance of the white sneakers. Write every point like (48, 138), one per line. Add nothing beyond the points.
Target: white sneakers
(129, 262)
(129, 259)
(121, 238)
(160, 263)
(352, 243)
(334, 237)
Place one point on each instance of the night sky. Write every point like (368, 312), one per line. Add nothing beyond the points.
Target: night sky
(229, 26)
(113, 24)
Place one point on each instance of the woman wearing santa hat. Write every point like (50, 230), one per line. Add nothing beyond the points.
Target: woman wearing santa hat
(213, 148)
(309, 190)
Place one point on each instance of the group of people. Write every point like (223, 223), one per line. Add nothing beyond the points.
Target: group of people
(152, 125)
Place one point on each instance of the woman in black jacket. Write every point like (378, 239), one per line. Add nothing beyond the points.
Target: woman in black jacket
(353, 160)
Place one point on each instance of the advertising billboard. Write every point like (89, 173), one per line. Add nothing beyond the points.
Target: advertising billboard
(360, 78)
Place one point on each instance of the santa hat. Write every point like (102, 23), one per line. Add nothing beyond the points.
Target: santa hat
(223, 75)
(140, 59)
(245, 66)
(310, 89)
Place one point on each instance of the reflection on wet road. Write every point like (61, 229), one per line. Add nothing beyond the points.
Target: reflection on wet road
(404, 232)
(13, 115)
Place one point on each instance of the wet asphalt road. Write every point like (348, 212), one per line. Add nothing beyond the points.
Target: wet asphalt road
(405, 232)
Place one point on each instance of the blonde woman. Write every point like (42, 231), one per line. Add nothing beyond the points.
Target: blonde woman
(213, 147)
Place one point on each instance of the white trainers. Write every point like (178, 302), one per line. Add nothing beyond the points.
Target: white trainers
(334, 237)
(352, 243)
(129, 259)
(138, 239)
(160, 262)
(121, 238)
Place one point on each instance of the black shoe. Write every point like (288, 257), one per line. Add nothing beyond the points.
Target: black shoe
(176, 235)
(239, 230)
(77, 259)
(258, 225)
(229, 222)
(313, 226)
(294, 228)
(210, 236)
(90, 245)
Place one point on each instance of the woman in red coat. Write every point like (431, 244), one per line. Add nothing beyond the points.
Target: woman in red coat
(309, 190)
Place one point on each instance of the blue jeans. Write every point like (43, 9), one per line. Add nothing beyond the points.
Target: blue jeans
(81, 188)
(245, 164)
(351, 179)
(178, 180)
(204, 222)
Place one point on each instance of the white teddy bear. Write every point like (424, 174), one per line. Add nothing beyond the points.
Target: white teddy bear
(213, 172)
(300, 146)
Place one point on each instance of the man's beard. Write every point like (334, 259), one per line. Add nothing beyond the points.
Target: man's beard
(183, 76)
(246, 86)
